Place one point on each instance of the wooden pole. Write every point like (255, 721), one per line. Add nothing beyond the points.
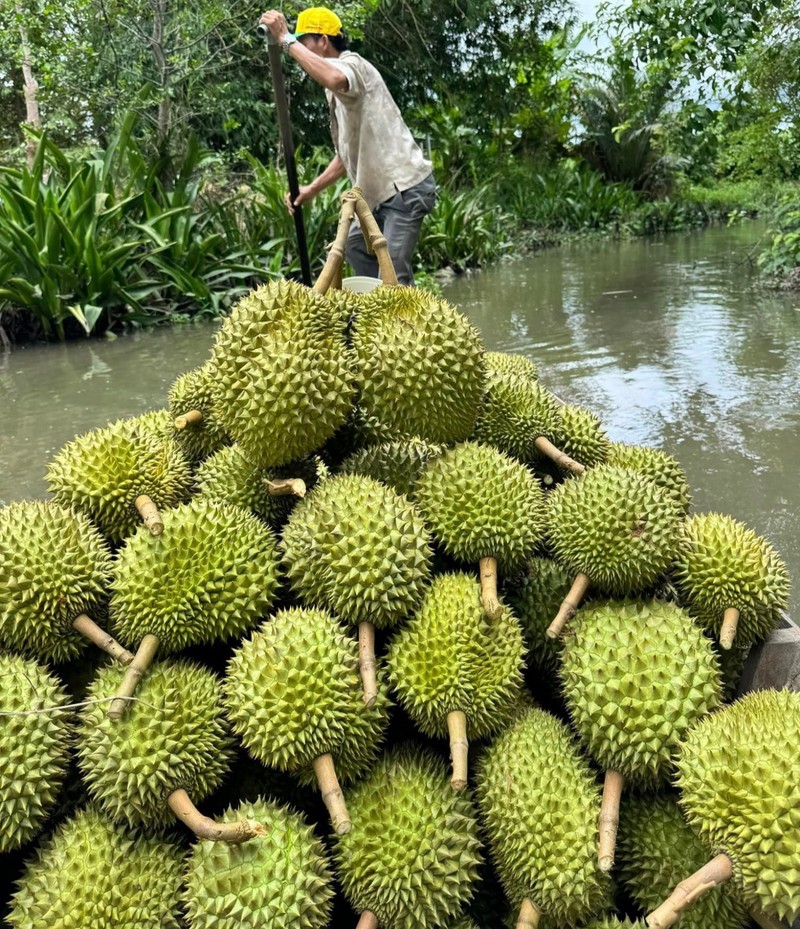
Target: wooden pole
(366, 662)
(141, 662)
(489, 600)
(727, 633)
(563, 460)
(609, 819)
(716, 872)
(90, 630)
(569, 605)
(190, 418)
(332, 795)
(149, 513)
(206, 828)
(529, 915)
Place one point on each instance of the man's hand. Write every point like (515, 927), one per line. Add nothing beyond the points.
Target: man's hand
(304, 194)
(276, 23)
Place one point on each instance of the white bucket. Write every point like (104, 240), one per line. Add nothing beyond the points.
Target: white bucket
(360, 284)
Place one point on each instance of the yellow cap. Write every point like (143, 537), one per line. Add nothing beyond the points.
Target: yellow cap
(318, 20)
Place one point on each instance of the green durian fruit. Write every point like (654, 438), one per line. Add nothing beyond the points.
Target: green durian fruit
(105, 472)
(454, 671)
(55, 567)
(420, 367)
(732, 663)
(228, 477)
(172, 741)
(656, 850)
(283, 376)
(740, 785)
(292, 695)
(539, 804)
(582, 436)
(731, 580)
(611, 922)
(35, 730)
(92, 873)
(507, 363)
(411, 859)
(159, 422)
(356, 547)
(463, 922)
(282, 881)
(657, 466)
(396, 464)
(193, 418)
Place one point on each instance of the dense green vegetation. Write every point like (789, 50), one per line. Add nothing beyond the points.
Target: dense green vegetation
(139, 170)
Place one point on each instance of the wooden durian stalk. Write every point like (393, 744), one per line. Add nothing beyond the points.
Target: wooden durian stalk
(147, 509)
(459, 748)
(136, 669)
(609, 819)
(730, 621)
(332, 795)
(376, 240)
(89, 629)
(367, 663)
(368, 920)
(716, 872)
(331, 273)
(569, 605)
(190, 418)
(488, 574)
(205, 828)
(555, 454)
(286, 487)
(529, 915)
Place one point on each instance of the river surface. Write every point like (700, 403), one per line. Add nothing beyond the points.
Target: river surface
(670, 342)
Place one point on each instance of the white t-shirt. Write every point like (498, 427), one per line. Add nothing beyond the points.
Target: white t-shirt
(369, 134)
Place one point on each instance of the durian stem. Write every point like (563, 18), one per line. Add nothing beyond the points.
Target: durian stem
(569, 605)
(90, 630)
(366, 662)
(149, 513)
(529, 915)
(376, 241)
(286, 487)
(192, 418)
(767, 922)
(206, 828)
(488, 574)
(368, 921)
(563, 460)
(727, 633)
(145, 654)
(332, 795)
(459, 748)
(335, 259)
(609, 819)
(717, 871)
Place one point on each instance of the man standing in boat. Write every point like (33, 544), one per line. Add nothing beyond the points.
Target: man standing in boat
(374, 147)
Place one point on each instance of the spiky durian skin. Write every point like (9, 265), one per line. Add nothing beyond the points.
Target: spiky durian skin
(725, 564)
(656, 850)
(539, 805)
(396, 464)
(279, 881)
(659, 677)
(582, 436)
(172, 736)
(507, 363)
(480, 502)
(158, 422)
(54, 566)
(210, 575)
(412, 855)
(283, 378)
(616, 526)
(290, 690)
(611, 922)
(463, 922)
(450, 656)
(659, 467)
(35, 747)
(92, 873)
(193, 391)
(516, 412)
(420, 367)
(740, 786)
(535, 593)
(102, 473)
(356, 547)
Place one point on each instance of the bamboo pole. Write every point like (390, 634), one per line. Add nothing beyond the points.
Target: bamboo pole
(716, 872)
(332, 795)
(149, 513)
(562, 459)
(333, 263)
(730, 622)
(141, 662)
(609, 819)
(89, 629)
(190, 418)
(366, 662)
(569, 605)
(206, 828)
(368, 921)
(529, 915)
(286, 487)
(488, 574)
(459, 748)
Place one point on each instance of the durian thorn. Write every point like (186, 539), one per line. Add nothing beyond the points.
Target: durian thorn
(727, 633)
(488, 573)
(563, 460)
(192, 418)
(529, 915)
(142, 660)
(368, 921)
(376, 241)
(569, 605)
(459, 747)
(149, 513)
(333, 263)
(715, 872)
(286, 487)
(766, 921)
(206, 828)
(332, 795)
(366, 662)
(608, 823)
(89, 629)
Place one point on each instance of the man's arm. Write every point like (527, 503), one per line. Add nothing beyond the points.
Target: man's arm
(329, 176)
(317, 68)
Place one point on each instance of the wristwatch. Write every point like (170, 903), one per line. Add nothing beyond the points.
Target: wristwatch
(288, 40)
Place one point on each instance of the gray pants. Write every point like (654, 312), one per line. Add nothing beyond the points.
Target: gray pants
(399, 218)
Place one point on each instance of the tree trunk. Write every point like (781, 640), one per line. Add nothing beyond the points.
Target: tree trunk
(32, 116)
(164, 119)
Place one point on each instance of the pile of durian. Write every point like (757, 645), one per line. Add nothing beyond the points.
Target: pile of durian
(368, 627)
